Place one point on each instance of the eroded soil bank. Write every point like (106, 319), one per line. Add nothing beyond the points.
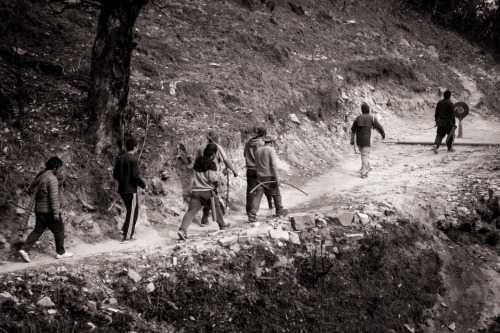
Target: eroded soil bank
(426, 259)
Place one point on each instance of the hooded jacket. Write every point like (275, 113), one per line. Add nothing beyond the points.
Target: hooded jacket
(249, 152)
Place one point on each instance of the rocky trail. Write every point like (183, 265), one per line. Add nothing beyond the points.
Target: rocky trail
(409, 179)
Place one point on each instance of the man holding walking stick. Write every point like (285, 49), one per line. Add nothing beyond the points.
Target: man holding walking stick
(126, 172)
(267, 177)
(204, 191)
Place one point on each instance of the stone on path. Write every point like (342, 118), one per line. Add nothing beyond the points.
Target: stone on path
(302, 222)
(134, 275)
(280, 235)
(294, 238)
(226, 241)
(5, 296)
(345, 217)
(45, 302)
(363, 218)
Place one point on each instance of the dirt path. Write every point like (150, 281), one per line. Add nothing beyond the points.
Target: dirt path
(401, 173)
(417, 182)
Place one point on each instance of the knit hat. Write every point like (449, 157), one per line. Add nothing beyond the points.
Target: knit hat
(261, 131)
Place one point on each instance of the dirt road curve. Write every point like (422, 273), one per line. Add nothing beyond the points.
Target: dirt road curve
(417, 182)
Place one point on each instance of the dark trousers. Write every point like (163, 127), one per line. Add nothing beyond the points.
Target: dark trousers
(442, 131)
(132, 205)
(201, 199)
(44, 221)
(251, 184)
(274, 192)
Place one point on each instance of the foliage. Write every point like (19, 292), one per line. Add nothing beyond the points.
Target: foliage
(478, 20)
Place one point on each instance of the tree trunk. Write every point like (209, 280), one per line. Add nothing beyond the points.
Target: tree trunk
(110, 69)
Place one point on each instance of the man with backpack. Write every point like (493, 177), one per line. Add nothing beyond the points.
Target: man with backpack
(221, 160)
(203, 194)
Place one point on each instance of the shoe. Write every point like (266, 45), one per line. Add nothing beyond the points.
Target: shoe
(282, 214)
(226, 226)
(204, 223)
(251, 220)
(182, 234)
(64, 255)
(24, 255)
(451, 150)
(364, 176)
(129, 240)
(435, 149)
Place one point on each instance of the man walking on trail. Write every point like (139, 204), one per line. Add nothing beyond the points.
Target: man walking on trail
(249, 154)
(362, 130)
(445, 120)
(267, 177)
(126, 172)
(220, 160)
(204, 190)
(45, 198)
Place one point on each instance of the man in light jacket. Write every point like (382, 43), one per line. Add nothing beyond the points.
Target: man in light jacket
(267, 177)
(249, 154)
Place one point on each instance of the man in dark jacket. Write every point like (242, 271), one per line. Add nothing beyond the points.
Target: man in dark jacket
(45, 191)
(362, 130)
(445, 120)
(249, 154)
(126, 172)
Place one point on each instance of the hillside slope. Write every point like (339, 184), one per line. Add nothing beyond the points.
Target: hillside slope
(227, 65)
(230, 66)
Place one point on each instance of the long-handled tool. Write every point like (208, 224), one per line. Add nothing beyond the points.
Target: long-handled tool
(268, 182)
(295, 187)
(273, 181)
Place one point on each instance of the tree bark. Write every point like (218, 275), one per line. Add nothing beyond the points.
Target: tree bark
(110, 69)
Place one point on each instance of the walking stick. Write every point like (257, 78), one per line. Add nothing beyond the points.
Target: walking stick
(295, 187)
(227, 192)
(145, 135)
(271, 181)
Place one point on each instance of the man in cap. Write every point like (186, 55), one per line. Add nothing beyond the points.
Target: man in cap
(221, 160)
(362, 130)
(267, 177)
(445, 120)
(249, 154)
